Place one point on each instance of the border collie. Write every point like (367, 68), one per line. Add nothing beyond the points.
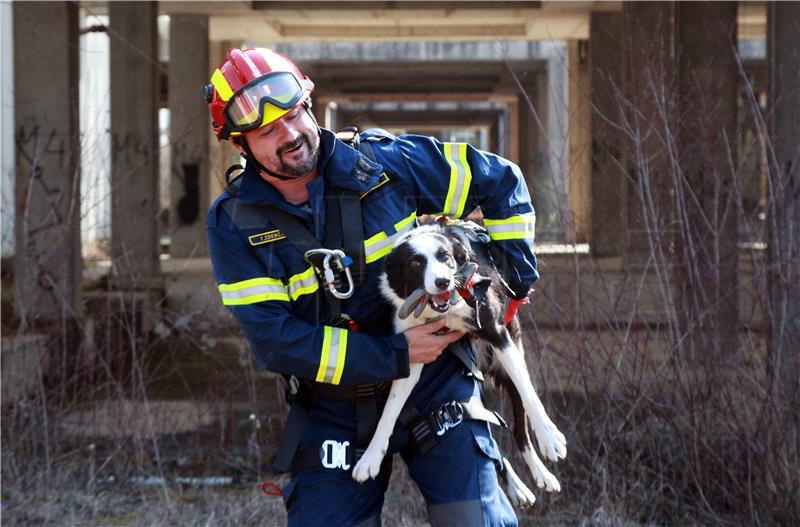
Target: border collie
(422, 277)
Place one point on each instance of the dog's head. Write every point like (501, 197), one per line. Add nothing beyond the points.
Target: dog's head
(427, 258)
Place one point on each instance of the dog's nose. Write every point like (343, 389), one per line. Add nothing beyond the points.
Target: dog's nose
(442, 283)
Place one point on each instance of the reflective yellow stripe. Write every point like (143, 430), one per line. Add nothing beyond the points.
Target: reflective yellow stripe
(252, 291)
(403, 224)
(303, 283)
(520, 227)
(381, 244)
(460, 179)
(334, 350)
(221, 85)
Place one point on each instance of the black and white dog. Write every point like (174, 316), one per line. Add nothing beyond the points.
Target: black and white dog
(423, 275)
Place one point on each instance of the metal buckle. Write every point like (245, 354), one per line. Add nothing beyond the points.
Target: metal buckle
(333, 454)
(333, 277)
(450, 415)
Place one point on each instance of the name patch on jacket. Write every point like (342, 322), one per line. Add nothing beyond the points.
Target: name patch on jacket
(266, 237)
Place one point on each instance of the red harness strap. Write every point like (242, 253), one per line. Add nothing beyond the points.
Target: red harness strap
(466, 291)
(511, 310)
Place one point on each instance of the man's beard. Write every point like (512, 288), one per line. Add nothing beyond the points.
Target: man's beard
(302, 167)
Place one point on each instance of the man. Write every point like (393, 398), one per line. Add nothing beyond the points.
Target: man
(338, 351)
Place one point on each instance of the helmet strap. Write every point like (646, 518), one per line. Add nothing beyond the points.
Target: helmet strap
(250, 158)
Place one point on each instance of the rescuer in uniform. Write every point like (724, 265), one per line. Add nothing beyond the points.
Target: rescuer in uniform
(302, 185)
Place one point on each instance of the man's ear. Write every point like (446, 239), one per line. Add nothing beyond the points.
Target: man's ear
(238, 144)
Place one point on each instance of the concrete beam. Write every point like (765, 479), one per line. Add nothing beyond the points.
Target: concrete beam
(330, 25)
(189, 118)
(48, 257)
(608, 225)
(134, 143)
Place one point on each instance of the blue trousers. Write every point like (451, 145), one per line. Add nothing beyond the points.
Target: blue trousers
(457, 478)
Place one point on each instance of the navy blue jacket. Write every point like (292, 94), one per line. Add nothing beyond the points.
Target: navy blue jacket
(274, 294)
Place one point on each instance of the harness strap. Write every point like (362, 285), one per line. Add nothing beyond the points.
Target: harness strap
(459, 350)
(353, 234)
(290, 440)
(426, 429)
(366, 417)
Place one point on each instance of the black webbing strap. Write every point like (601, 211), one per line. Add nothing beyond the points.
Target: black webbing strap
(353, 233)
(290, 439)
(425, 428)
(309, 456)
(366, 416)
(458, 349)
(333, 240)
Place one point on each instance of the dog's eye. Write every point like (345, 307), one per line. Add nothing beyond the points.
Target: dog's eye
(414, 264)
(443, 256)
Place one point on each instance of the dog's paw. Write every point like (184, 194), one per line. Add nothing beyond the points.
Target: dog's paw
(547, 481)
(369, 465)
(544, 478)
(519, 493)
(552, 442)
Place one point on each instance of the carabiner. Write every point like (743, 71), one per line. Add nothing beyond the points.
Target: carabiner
(342, 263)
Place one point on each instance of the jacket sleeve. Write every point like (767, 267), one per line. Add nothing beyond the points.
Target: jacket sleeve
(454, 178)
(260, 297)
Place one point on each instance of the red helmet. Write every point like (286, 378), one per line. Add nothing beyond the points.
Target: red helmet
(253, 88)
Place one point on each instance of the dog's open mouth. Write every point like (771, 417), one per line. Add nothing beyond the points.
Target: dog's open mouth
(440, 303)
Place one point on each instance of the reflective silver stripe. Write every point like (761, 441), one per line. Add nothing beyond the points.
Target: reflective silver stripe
(252, 291)
(513, 228)
(460, 179)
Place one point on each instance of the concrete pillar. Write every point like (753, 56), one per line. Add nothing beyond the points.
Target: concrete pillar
(134, 143)
(608, 219)
(706, 193)
(783, 218)
(189, 122)
(48, 256)
(7, 164)
(649, 76)
(579, 183)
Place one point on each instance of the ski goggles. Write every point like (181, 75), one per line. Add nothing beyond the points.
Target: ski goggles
(264, 100)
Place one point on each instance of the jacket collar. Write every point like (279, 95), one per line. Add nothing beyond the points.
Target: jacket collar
(339, 165)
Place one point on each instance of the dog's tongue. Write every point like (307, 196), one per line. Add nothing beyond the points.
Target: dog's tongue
(442, 299)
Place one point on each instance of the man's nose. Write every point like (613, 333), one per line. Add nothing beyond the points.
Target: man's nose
(286, 129)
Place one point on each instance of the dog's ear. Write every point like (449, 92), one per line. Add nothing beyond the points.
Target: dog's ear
(394, 266)
(460, 246)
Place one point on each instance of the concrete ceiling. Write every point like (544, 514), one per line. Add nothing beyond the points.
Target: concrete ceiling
(383, 21)
(361, 21)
